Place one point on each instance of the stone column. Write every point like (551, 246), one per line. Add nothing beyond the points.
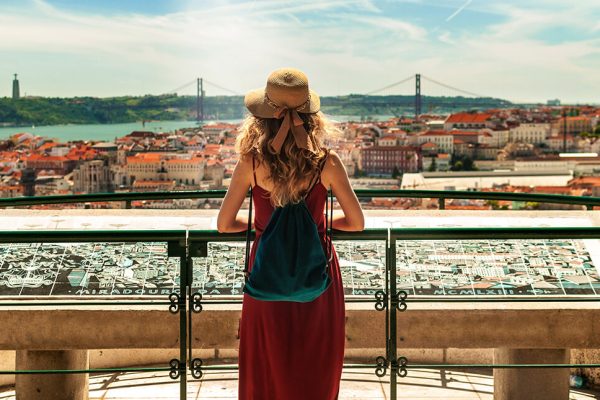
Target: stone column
(531, 383)
(52, 386)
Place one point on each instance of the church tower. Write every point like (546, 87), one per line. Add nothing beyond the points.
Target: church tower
(16, 91)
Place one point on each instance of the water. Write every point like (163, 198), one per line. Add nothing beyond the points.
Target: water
(108, 132)
(104, 132)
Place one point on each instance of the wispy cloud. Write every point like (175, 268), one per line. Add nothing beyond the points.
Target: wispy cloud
(459, 10)
(344, 46)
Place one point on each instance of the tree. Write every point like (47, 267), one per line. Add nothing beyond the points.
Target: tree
(432, 166)
(462, 163)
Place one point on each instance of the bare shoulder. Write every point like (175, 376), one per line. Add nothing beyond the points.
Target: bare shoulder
(333, 163)
(245, 160)
(244, 165)
(334, 169)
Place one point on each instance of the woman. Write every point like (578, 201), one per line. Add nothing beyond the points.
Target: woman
(289, 350)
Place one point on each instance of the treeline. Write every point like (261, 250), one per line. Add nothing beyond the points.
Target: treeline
(93, 110)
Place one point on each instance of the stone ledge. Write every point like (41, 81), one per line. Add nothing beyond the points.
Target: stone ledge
(424, 325)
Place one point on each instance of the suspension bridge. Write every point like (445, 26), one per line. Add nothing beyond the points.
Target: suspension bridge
(199, 84)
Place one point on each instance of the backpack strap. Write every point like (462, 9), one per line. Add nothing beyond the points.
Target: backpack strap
(329, 228)
(328, 214)
(253, 169)
(249, 229)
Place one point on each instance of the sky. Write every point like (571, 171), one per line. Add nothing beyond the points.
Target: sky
(522, 51)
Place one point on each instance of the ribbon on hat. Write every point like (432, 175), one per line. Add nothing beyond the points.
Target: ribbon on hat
(291, 123)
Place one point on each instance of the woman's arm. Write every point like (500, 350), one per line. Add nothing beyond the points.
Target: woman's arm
(228, 220)
(334, 175)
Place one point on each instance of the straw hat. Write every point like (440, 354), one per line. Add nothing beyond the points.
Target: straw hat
(285, 95)
(286, 88)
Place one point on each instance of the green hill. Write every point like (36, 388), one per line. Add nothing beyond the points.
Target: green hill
(93, 110)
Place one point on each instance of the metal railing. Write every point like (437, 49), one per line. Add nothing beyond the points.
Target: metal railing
(192, 243)
(442, 195)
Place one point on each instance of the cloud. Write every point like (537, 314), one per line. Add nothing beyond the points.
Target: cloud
(459, 10)
(344, 46)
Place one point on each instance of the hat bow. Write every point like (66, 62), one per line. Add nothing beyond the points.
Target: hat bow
(291, 123)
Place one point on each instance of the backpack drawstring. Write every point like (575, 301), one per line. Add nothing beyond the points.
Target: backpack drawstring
(248, 231)
(329, 225)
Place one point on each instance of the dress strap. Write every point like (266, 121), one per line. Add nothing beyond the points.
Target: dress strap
(321, 166)
(254, 169)
(315, 181)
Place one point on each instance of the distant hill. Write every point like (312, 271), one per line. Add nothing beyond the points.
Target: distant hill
(93, 110)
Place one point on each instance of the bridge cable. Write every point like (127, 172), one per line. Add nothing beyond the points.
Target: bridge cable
(390, 86)
(452, 87)
(180, 87)
(222, 88)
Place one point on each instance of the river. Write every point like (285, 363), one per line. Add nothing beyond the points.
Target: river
(108, 132)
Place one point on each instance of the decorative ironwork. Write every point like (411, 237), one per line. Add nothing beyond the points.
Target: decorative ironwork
(175, 368)
(381, 303)
(196, 368)
(382, 366)
(196, 302)
(175, 301)
(402, 364)
(401, 300)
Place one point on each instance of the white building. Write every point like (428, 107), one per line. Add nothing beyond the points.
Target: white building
(92, 177)
(165, 166)
(499, 137)
(468, 180)
(443, 140)
(534, 133)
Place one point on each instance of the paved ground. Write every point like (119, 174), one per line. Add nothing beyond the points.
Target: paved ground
(356, 384)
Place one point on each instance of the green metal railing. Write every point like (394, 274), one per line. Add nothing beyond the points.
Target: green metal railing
(442, 195)
(389, 300)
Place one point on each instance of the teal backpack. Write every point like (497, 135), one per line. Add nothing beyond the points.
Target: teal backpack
(290, 262)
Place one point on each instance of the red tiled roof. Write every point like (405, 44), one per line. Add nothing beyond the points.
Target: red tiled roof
(468, 118)
(585, 180)
(36, 157)
(552, 189)
(194, 160)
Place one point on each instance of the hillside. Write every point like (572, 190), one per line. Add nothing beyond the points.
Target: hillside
(93, 110)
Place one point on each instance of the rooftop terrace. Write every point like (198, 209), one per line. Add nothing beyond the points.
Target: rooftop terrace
(467, 281)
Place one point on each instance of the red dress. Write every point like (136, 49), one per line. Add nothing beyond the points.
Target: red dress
(289, 350)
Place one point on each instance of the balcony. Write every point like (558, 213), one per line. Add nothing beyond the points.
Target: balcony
(453, 335)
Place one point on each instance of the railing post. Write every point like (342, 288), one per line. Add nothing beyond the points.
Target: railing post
(197, 249)
(391, 263)
(179, 306)
(442, 203)
(183, 318)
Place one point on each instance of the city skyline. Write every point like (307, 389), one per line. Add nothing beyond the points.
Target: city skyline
(523, 53)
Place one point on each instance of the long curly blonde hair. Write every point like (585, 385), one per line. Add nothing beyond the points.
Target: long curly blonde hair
(293, 168)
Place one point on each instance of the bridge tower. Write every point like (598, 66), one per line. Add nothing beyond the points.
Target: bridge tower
(16, 92)
(200, 100)
(417, 95)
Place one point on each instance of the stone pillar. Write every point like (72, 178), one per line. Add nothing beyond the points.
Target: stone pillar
(52, 386)
(531, 383)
